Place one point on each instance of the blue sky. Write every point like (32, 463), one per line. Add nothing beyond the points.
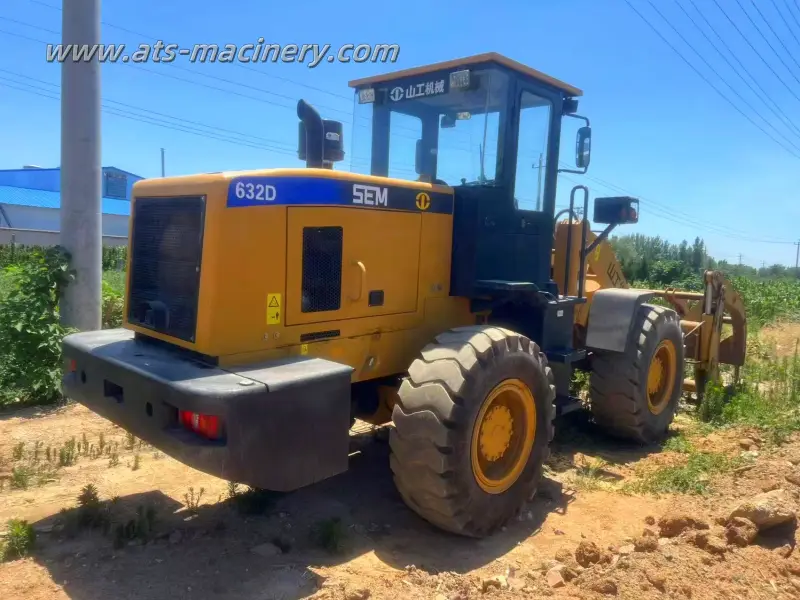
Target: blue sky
(659, 131)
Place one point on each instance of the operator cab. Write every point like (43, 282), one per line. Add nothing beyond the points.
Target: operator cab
(490, 128)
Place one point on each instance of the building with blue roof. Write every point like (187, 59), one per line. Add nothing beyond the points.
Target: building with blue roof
(30, 205)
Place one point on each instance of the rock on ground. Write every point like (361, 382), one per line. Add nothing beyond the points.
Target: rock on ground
(564, 556)
(673, 524)
(794, 477)
(766, 510)
(741, 532)
(604, 586)
(554, 578)
(656, 579)
(646, 543)
(587, 553)
(710, 543)
(500, 582)
(627, 549)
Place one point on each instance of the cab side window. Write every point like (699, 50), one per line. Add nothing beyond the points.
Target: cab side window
(534, 127)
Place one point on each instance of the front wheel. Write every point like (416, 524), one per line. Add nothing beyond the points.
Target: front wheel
(635, 394)
(472, 428)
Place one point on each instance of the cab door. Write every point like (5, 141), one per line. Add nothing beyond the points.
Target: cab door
(350, 263)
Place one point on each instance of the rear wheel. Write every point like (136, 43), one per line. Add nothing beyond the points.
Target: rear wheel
(473, 425)
(635, 394)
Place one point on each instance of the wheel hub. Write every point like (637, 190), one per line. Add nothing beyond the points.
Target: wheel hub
(503, 436)
(655, 376)
(660, 377)
(496, 432)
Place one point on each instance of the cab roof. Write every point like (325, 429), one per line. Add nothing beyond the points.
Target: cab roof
(488, 57)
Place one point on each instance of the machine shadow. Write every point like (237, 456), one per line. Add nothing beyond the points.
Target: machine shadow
(577, 435)
(242, 546)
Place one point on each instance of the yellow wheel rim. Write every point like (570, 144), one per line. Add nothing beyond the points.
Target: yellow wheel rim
(661, 377)
(503, 436)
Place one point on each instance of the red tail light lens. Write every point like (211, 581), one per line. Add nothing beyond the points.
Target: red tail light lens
(206, 425)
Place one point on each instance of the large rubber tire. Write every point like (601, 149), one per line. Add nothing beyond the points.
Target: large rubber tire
(619, 381)
(434, 418)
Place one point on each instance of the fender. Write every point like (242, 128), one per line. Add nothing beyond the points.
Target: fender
(611, 317)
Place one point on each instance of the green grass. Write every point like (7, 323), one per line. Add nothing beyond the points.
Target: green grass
(692, 477)
(678, 443)
(116, 279)
(767, 399)
(20, 540)
(5, 284)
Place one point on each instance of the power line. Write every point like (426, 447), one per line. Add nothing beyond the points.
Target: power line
(177, 78)
(669, 214)
(754, 49)
(785, 20)
(764, 37)
(212, 87)
(232, 92)
(704, 78)
(791, 13)
(765, 96)
(174, 66)
(44, 93)
(252, 70)
(149, 110)
(715, 72)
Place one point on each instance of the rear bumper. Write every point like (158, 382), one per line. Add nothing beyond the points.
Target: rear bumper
(285, 423)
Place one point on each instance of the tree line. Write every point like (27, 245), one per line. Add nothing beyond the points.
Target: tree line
(658, 262)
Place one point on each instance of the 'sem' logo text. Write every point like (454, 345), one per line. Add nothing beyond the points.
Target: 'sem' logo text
(370, 195)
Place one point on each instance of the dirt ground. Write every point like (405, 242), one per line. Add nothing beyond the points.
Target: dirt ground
(282, 546)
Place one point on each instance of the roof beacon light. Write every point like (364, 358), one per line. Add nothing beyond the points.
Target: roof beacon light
(366, 95)
(459, 80)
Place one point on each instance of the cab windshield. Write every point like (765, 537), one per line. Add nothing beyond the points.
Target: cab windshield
(427, 130)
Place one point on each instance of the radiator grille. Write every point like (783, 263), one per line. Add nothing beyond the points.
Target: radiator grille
(166, 252)
(322, 269)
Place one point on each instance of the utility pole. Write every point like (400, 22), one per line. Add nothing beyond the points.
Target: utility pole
(740, 260)
(81, 233)
(539, 185)
(797, 256)
(163, 171)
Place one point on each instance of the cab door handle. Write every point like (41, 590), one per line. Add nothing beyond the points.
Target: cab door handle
(362, 283)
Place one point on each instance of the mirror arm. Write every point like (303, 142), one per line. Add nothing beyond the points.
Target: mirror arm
(585, 169)
(576, 171)
(600, 238)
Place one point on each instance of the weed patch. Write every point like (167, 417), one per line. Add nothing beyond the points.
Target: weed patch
(590, 475)
(692, 477)
(192, 500)
(768, 397)
(678, 443)
(329, 535)
(20, 540)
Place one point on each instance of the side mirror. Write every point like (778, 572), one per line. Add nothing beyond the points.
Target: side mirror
(448, 122)
(583, 150)
(418, 158)
(616, 210)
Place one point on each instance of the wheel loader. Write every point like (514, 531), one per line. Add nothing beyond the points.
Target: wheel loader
(267, 310)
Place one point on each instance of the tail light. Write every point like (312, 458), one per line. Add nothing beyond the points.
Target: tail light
(208, 426)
